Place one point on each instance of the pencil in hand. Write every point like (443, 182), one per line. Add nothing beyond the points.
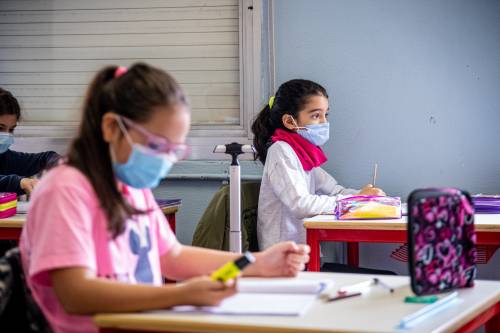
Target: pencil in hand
(375, 167)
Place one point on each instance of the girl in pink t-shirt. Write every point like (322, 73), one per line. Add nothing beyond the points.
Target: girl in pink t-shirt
(95, 239)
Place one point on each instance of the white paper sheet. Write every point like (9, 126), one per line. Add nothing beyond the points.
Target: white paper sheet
(258, 304)
(268, 296)
(282, 285)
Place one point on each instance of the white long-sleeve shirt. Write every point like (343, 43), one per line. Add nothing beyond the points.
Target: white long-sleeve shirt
(289, 194)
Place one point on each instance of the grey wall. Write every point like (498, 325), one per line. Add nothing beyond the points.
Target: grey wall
(415, 86)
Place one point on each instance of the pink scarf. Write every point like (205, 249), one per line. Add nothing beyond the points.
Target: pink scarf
(309, 155)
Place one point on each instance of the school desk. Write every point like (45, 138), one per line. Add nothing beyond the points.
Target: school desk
(11, 227)
(377, 311)
(326, 228)
(169, 213)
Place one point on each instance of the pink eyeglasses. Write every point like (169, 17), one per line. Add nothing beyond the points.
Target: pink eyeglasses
(157, 143)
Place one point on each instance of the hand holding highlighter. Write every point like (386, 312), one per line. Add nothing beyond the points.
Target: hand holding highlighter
(233, 268)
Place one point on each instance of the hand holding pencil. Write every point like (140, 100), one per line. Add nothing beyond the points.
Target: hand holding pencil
(370, 189)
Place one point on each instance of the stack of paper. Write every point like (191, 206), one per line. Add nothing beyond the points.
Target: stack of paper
(274, 296)
(486, 204)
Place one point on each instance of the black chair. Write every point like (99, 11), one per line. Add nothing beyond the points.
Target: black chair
(18, 310)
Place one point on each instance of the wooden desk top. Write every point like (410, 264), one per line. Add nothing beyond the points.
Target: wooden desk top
(170, 209)
(15, 221)
(377, 311)
(483, 223)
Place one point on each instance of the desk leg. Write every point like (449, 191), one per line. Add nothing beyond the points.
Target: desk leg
(353, 254)
(314, 256)
(171, 221)
(490, 318)
(10, 233)
(493, 325)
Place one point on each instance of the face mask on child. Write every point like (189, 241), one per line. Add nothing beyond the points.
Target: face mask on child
(144, 168)
(6, 140)
(317, 134)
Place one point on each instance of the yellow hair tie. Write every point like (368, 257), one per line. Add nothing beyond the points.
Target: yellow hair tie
(271, 102)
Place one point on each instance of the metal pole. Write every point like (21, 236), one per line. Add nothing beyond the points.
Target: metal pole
(234, 149)
(235, 209)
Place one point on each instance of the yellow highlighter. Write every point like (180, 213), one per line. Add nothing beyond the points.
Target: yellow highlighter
(233, 268)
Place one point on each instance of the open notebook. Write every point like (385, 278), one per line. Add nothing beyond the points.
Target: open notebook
(272, 296)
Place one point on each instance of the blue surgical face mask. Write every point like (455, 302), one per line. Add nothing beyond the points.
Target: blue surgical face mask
(6, 140)
(317, 134)
(144, 168)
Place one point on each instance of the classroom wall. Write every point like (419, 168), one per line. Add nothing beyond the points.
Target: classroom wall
(414, 86)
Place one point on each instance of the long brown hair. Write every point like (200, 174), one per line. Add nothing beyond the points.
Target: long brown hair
(134, 94)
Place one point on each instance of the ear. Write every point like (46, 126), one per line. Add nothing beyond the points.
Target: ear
(109, 126)
(289, 122)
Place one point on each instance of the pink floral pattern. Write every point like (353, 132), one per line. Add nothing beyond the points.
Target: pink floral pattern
(442, 240)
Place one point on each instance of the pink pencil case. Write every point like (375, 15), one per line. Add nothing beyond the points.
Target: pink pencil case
(8, 204)
(361, 207)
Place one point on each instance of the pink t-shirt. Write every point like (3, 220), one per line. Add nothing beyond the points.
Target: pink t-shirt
(67, 228)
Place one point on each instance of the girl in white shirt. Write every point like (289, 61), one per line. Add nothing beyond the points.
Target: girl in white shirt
(288, 134)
